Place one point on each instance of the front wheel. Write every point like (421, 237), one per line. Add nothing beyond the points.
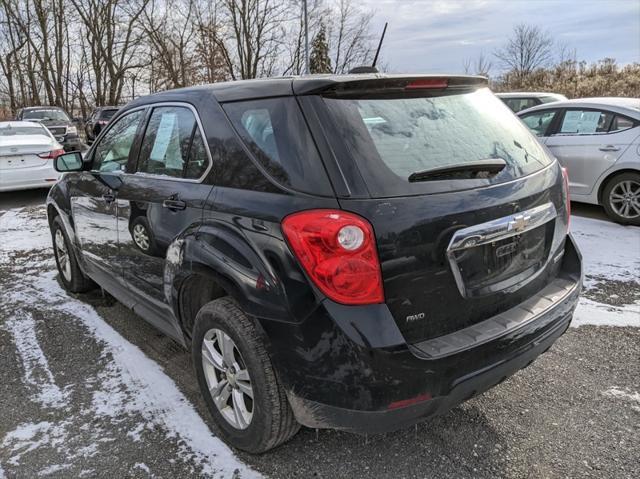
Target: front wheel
(72, 277)
(621, 198)
(238, 381)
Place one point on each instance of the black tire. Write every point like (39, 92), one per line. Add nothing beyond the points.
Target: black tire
(613, 184)
(273, 422)
(152, 246)
(75, 281)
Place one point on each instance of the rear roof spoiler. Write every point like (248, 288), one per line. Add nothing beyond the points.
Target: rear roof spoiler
(377, 83)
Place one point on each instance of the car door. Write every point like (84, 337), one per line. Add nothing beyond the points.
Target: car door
(93, 193)
(161, 197)
(584, 144)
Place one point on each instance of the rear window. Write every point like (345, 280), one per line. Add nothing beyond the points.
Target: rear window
(277, 135)
(391, 138)
(23, 130)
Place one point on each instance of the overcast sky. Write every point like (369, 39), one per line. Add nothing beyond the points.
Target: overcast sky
(437, 35)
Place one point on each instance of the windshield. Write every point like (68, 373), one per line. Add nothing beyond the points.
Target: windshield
(45, 114)
(107, 114)
(22, 130)
(391, 138)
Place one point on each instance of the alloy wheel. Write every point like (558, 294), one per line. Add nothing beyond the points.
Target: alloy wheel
(141, 237)
(228, 379)
(63, 255)
(625, 199)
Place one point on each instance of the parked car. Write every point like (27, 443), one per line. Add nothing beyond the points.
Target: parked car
(57, 121)
(356, 252)
(27, 151)
(519, 101)
(598, 141)
(98, 119)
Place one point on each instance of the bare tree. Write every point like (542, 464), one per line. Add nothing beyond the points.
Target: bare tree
(350, 39)
(480, 66)
(527, 49)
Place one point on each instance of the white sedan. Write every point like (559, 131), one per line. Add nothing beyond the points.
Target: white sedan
(27, 152)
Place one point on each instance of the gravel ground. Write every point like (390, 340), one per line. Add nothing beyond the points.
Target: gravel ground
(67, 412)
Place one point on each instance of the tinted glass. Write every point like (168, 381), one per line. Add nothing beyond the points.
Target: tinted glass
(23, 130)
(621, 123)
(518, 104)
(585, 122)
(276, 133)
(198, 159)
(112, 152)
(45, 114)
(416, 134)
(165, 147)
(539, 121)
(107, 114)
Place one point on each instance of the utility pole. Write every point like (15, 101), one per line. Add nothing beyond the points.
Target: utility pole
(306, 38)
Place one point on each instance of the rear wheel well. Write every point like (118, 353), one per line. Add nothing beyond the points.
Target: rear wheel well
(603, 185)
(196, 291)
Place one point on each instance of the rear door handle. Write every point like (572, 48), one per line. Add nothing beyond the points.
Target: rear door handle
(609, 148)
(174, 205)
(108, 197)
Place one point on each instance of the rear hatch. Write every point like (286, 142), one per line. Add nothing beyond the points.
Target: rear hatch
(467, 207)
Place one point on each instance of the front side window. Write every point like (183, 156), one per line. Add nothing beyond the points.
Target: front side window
(539, 121)
(173, 145)
(585, 122)
(112, 153)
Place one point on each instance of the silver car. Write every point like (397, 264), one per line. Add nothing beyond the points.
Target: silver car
(598, 141)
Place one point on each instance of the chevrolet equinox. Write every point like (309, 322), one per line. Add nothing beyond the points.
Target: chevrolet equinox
(355, 252)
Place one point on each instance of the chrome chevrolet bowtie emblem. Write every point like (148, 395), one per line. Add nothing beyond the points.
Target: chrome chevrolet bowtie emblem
(519, 223)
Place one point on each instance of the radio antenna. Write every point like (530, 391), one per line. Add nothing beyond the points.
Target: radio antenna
(375, 59)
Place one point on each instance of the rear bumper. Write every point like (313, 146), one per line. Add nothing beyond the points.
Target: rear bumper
(364, 388)
(28, 178)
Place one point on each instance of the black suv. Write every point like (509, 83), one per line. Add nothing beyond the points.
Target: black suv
(98, 119)
(57, 122)
(355, 252)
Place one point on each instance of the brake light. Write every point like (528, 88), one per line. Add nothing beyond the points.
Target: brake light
(51, 155)
(337, 250)
(566, 195)
(425, 83)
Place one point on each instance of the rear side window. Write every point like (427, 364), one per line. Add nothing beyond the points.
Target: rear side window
(277, 135)
(168, 145)
(585, 122)
(391, 138)
(621, 123)
(539, 121)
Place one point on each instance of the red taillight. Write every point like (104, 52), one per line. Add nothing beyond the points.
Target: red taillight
(50, 155)
(566, 194)
(338, 251)
(427, 83)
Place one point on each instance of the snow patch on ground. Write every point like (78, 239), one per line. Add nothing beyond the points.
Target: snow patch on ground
(609, 252)
(21, 231)
(618, 393)
(133, 383)
(37, 374)
(28, 437)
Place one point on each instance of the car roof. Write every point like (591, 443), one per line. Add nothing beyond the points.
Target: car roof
(16, 124)
(283, 86)
(627, 106)
(529, 94)
(43, 107)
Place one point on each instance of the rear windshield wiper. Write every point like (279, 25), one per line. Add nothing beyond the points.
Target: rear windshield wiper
(461, 171)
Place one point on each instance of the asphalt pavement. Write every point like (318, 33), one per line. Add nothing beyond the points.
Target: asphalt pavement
(88, 389)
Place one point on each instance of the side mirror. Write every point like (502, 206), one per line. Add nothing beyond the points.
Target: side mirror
(68, 162)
